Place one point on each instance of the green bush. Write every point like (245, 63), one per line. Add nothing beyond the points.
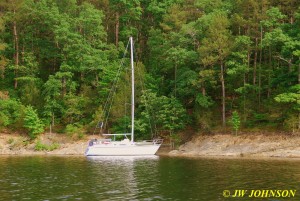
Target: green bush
(235, 121)
(4, 119)
(175, 139)
(32, 123)
(167, 114)
(39, 146)
(11, 112)
(74, 130)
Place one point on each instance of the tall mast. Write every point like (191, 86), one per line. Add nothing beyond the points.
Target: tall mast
(132, 89)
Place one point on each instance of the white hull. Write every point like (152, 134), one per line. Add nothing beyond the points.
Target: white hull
(120, 149)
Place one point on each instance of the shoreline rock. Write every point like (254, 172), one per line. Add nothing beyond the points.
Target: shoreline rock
(15, 144)
(251, 146)
(219, 145)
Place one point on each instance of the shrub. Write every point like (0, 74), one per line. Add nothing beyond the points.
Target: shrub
(235, 121)
(175, 139)
(11, 112)
(39, 146)
(74, 130)
(32, 122)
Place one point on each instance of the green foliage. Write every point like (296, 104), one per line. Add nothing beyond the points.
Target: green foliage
(167, 114)
(175, 137)
(273, 17)
(74, 110)
(292, 100)
(4, 120)
(235, 121)
(62, 56)
(39, 146)
(53, 102)
(11, 113)
(203, 101)
(292, 97)
(32, 122)
(291, 123)
(217, 43)
(123, 125)
(75, 131)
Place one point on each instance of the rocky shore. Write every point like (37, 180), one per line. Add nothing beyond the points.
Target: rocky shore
(245, 145)
(220, 145)
(50, 144)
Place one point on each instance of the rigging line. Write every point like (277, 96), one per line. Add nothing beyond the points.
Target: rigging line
(109, 99)
(116, 84)
(111, 93)
(146, 97)
(127, 97)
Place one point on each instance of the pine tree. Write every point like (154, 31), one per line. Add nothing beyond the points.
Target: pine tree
(32, 122)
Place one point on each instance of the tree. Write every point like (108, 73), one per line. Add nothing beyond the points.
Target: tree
(292, 99)
(211, 57)
(32, 122)
(13, 8)
(125, 13)
(215, 47)
(3, 60)
(166, 114)
(237, 70)
(53, 106)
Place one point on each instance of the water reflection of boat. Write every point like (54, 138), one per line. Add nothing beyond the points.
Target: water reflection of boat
(126, 147)
(122, 159)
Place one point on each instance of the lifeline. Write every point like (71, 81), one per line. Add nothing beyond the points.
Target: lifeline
(272, 193)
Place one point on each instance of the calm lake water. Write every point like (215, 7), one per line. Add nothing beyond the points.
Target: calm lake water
(154, 178)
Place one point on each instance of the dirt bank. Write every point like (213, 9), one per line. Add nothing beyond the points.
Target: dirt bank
(245, 145)
(62, 144)
(52, 144)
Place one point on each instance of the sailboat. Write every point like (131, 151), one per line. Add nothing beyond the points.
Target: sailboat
(125, 147)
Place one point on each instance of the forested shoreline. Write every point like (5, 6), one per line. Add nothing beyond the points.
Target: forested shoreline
(202, 65)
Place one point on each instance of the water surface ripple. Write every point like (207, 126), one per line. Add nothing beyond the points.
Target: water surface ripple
(49, 178)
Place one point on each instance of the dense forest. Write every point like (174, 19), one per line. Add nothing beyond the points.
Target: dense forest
(201, 65)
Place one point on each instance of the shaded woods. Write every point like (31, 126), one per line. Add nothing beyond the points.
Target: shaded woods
(198, 61)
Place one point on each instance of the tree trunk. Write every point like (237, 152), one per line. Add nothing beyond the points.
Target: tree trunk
(117, 28)
(269, 76)
(16, 56)
(81, 76)
(259, 70)
(223, 95)
(52, 122)
(255, 61)
(244, 99)
(299, 83)
(203, 90)
(175, 77)
(248, 65)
